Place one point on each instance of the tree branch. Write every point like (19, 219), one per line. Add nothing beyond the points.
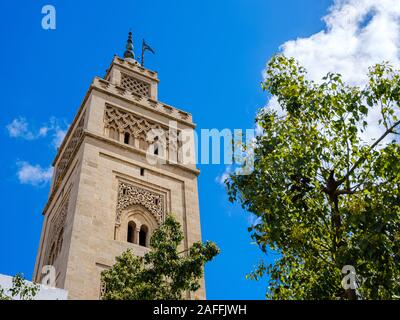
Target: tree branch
(339, 192)
(362, 159)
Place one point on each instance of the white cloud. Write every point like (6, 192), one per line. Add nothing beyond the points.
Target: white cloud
(33, 174)
(358, 34)
(253, 220)
(19, 128)
(221, 178)
(43, 131)
(58, 131)
(58, 136)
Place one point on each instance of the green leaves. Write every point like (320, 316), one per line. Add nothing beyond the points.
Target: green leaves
(326, 196)
(163, 273)
(20, 289)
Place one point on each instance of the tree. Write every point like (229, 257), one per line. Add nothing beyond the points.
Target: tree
(326, 192)
(163, 272)
(20, 289)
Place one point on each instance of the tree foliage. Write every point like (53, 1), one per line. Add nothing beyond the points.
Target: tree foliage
(163, 272)
(326, 192)
(20, 290)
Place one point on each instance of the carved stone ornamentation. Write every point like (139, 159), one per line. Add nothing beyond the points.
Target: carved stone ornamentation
(134, 85)
(122, 121)
(69, 151)
(56, 233)
(129, 195)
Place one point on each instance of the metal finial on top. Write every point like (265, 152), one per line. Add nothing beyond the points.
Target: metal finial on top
(129, 47)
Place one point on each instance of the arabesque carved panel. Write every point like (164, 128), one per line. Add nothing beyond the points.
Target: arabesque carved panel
(129, 195)
(62, 165)
(134, 85)
(56, 233)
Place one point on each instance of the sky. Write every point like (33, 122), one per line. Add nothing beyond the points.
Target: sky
(210, 57)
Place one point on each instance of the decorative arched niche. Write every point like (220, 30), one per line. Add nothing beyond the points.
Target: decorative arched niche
(139, 212)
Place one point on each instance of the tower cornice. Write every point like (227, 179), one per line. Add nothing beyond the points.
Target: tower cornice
(107, 87)
(133, 67)
(144, 102)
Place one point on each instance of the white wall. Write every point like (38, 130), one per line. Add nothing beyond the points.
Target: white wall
(44, 293)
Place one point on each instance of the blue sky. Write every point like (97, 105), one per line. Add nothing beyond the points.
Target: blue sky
(209, 56)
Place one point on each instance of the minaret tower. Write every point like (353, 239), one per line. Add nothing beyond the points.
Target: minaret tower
(115, 179)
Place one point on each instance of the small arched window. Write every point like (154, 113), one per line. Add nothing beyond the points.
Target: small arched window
(131, 232)
(156, 146)
(127, 138)
(143, 235)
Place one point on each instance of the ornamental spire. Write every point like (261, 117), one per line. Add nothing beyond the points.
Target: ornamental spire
(129, 48)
